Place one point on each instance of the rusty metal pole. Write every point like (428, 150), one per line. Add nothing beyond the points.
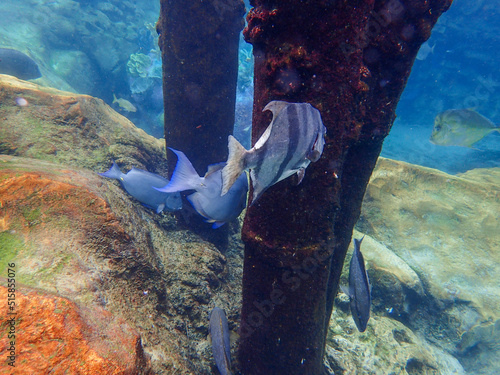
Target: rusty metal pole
(199, 47)
(351, 60)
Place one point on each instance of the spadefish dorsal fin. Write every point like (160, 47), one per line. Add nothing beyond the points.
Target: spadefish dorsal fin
(275, 107)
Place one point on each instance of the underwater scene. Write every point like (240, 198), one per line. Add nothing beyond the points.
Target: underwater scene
(255, 188)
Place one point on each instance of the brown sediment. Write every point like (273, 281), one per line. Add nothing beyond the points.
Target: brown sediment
(351, 60)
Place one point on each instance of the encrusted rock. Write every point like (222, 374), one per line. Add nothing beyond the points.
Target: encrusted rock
(54, 335)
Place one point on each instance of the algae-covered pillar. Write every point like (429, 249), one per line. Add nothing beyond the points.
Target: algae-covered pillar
(199, 47)
(351, 60)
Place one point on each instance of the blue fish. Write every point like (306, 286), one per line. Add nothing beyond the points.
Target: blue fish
(140, 184)
(359, 291)
(17, 64)
(207, 199)
(221, 346)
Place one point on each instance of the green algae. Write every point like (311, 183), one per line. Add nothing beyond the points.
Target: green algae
(32, 215)
(10, 246)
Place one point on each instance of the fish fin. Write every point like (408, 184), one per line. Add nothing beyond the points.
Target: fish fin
(160, 208)
(233, 337)
(184, 177)
(264, 137)
(300, 174)
(345, 290)
(234, 165)
(194, 199)
(113, 172)
(257, 188)
(212, 168)
(115, 100)
(275, 107)
(358, 242)
(218, 224)
(313, 155)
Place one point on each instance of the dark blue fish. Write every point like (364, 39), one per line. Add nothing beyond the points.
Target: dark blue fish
(207, 199)
(293, 140)
(359, 288)
(17, 64)
(221, 346)
(140, 184)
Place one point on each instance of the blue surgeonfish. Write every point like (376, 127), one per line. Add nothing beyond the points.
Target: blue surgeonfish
(207, 199)
(359, 288)
(140, 184)
(294, 138)
(221, 346)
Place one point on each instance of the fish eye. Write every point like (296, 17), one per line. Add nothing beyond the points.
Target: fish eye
(437, 127)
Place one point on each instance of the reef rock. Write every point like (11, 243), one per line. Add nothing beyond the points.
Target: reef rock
(446, 229)
(124, 272)
(386, 347)
(53, 335)
(72, 129)
(81, 237)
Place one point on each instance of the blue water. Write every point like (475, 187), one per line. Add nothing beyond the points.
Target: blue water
(461, 72)
(111, 48)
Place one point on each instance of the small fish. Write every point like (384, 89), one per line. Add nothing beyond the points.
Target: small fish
(124, 104)
(221, 345)
(425, 50)
(140, 184)
(359, 290)
(207, 199)
(17, 64)
(294, 138)
(460, 127)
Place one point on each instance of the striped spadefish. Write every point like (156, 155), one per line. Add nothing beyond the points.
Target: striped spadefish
(294, 133)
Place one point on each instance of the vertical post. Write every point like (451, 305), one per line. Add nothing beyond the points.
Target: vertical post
(351, 60)
(199, 46)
